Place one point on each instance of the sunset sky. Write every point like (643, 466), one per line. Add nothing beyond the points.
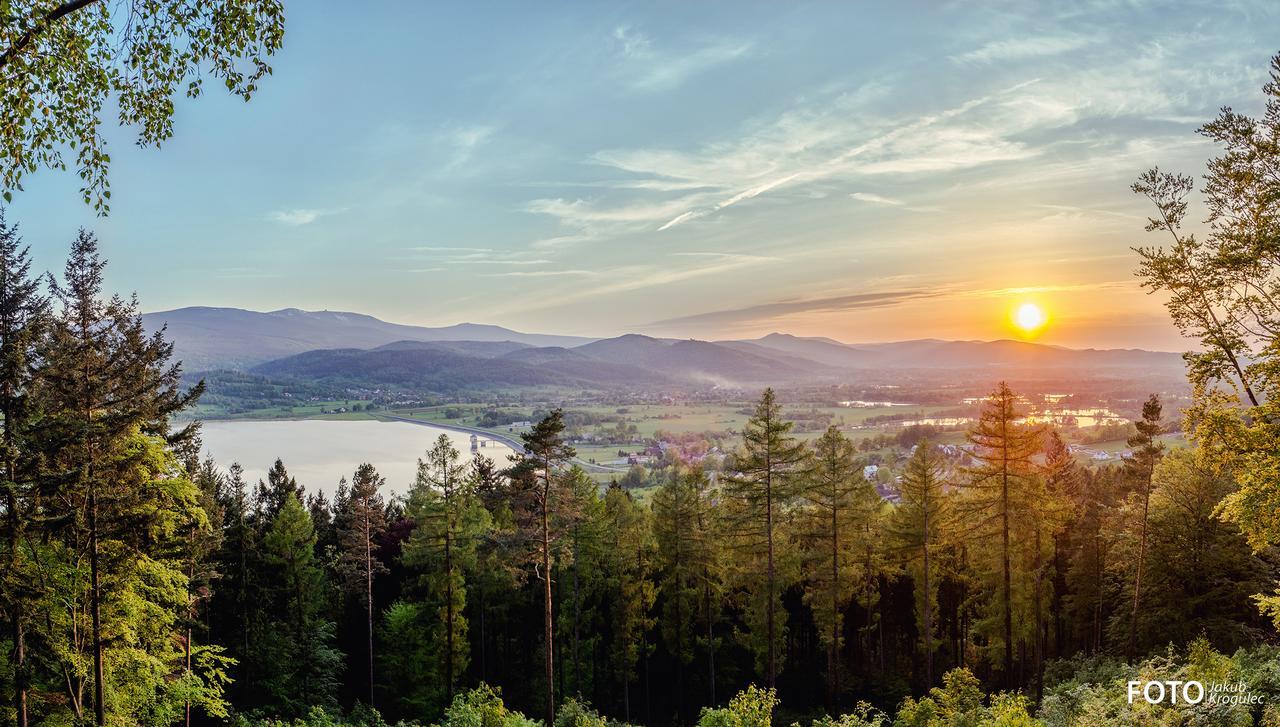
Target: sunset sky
(864, 172)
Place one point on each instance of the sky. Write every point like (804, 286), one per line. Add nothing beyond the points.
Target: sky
(862, 171)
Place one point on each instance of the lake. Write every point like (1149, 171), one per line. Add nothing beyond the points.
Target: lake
(319, 452)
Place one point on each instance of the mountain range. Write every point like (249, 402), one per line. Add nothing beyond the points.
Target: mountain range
(353, 349)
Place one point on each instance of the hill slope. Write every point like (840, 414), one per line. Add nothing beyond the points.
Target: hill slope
(210, 338)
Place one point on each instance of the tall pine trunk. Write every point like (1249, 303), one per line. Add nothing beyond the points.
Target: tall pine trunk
(769, 615)
(1004, 553)
(448, 599)
(928, 606)
(833, 669)
(95, 607)
(1132, 651)
(368, 586)
(548, 626)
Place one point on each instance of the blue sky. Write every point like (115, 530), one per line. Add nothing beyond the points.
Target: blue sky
(862, 171)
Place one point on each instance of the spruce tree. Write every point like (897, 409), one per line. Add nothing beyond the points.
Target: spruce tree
(840, 502)
(917, 529)
(766, 477)
(688, 572)
(107, 383)
(363, 523)
(302, 667)
(23, 321)
(997, 489)
(546, 507)
(1145, 451)
(441, 551)
(631, 589)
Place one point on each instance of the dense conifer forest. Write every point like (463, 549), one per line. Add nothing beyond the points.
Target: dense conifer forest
(145, 585)
(1004, 582)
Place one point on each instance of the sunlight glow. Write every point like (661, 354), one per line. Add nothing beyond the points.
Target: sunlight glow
(1029, 318)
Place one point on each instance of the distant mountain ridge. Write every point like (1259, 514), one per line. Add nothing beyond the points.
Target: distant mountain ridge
(233, 338)
(352, 349)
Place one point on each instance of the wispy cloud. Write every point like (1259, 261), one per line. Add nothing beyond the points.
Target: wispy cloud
(882, 201)
(738, 256)
(872, 198)
(765, 312)
(300, 216)
(655, 69)
(542, 274)
(1015, 49)
(465, 140)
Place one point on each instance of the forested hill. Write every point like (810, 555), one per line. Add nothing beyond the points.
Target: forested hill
(233, 338)
(356, 349)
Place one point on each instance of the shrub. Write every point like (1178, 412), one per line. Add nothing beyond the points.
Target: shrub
(483, 707)
(752, 707)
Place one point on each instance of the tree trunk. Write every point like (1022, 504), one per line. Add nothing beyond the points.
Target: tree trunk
(549, 634)
(833, 669)
(448, 600)
(711, 643)
(769, 615)
(928, 608)
(1038, 644)
(368, 592)
(1004, 553)
(1137, 579)
(18, 632)
(95, 597)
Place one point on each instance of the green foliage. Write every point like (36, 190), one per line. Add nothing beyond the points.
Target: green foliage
(61, 63)
(449, 522)
(1222, 289)
(575, 713)
(299, 660)
(1094, 691)
(768, 472)
(752, 707)
(360, 716)
(863, 715)
(482, 707)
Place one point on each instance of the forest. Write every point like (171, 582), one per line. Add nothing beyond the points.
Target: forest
(1009, 584)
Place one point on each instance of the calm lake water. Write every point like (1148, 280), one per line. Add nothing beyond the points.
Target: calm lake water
(319, 452)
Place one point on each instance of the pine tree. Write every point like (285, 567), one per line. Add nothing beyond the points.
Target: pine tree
(997, 489)
(1146, 452)
(272, 493)
(766, 479)
(1202, 576)
(631, 589)
(448, 523)
(302, 670)
(688, 573)
(917, 529)
(108, 383)
(364, 522)
(547, 506)
(840, 503)
(237, 600)
(23, 321)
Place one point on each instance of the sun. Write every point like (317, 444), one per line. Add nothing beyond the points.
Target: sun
(1029, 318)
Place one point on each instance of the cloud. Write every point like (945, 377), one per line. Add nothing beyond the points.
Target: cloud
(465, 140)
(743, 257)
(1022, 48)
(541, 273)
(876, 199)
(299, 217)
(767, 311)
(445, 248)
(653, 69)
